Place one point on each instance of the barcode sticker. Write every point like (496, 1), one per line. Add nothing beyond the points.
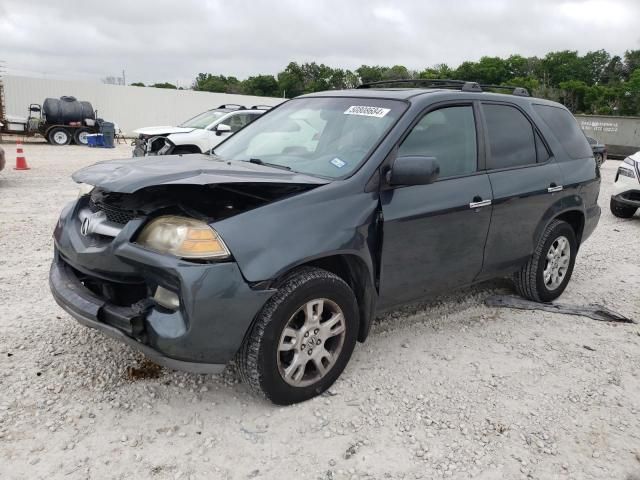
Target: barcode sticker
(366, 111)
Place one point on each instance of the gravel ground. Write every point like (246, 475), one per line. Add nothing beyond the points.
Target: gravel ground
(448, 389)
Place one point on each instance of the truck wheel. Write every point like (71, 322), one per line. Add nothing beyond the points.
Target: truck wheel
(547, 273)
(302, 339)
(621, 210)
(80, 137)
(59, 136)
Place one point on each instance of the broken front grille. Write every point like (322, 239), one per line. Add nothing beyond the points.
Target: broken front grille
(114, 214)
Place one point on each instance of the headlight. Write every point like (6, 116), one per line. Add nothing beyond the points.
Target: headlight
(183, 237)
(85, 189)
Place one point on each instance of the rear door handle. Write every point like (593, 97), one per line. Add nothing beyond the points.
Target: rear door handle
(554, 188)
(481, 203)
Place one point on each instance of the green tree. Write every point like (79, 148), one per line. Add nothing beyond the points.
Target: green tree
(594, 66)
(261, 85)
(164, 85)
(631, 62)
(370, 74)
(136, 84)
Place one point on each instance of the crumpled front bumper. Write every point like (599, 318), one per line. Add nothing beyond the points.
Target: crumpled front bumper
(217, 306)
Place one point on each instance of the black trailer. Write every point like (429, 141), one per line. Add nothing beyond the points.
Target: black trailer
(59, 121)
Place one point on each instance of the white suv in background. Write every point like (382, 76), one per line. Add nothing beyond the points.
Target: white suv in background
(197, 135)
(626, 188)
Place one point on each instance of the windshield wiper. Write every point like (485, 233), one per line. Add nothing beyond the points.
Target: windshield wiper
(257, 161)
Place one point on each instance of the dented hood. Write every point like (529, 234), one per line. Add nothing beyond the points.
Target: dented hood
(130, 175)
(165, 130)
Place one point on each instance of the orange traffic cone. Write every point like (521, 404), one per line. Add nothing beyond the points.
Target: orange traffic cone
(21, 161)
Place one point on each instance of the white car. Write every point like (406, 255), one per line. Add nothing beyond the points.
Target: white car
(197, 135)
(625, 199)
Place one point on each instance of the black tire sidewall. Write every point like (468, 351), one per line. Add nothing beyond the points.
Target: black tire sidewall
(76, 137)
(621, 210)
(56, 130)
(271, 382)
(562, 229)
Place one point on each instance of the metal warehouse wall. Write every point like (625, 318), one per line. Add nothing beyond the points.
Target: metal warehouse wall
(129, 107)
(620, 134)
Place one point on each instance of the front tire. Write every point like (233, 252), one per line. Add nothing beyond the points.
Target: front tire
(59, 136)
(302, 339)
(621, 210)
(548, 271)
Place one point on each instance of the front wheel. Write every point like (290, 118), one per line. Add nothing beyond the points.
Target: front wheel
(59, 136)
(621, 210)
(302, 339)
(547, 273)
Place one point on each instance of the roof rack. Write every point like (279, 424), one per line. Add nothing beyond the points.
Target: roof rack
(231, 105)
(260, 107)
(462, 85)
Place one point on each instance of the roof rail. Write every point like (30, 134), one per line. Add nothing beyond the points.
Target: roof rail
(230, 105)
(260, 107)
(462, 85)
(519, 91)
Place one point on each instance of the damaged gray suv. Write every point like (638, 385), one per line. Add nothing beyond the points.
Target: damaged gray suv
(278, 250)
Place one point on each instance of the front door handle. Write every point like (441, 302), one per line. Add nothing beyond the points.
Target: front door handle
(554, 188)
(480, 203)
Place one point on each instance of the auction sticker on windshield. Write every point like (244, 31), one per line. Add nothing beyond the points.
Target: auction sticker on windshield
(366, 111)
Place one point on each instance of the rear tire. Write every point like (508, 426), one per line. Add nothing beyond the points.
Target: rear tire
(302, 339)
(548, 271)
(621, 210)
(59, 136)
(80, 137)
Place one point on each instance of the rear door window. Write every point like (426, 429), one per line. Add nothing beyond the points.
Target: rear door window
(449, 135)
(566, 130)
(511, 137)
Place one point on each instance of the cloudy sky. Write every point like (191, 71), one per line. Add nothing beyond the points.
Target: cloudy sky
(159, 40)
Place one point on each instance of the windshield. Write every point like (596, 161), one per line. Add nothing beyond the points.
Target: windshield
(203, 120)
(328, 137)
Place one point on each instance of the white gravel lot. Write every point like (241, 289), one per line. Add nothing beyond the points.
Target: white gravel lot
(449, 389)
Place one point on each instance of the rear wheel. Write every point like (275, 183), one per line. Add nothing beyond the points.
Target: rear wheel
(547, 273)
(59, 136)
(80, 137)
(302, 339)
(621, 210)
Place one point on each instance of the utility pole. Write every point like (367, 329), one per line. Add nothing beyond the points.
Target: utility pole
(124, 79)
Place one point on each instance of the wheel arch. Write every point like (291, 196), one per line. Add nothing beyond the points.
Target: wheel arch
(572, 214)
(356, 273)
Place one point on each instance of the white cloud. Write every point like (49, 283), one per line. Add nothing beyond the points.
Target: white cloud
(164, 40)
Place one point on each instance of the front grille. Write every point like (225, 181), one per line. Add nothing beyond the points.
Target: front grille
(114, 214)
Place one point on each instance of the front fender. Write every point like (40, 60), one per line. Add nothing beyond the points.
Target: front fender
(271, 240)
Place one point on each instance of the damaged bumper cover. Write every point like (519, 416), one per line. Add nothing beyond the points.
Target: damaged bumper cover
(217, 306)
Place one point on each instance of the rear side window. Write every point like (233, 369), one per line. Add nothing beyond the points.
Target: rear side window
(449, 135)
(566, 130)
(511, 138)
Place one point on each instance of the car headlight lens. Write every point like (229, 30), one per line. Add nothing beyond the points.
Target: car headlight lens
(85, 189)
(184, 238)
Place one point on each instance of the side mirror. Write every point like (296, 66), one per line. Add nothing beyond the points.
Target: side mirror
(222, 128)
(413, 170)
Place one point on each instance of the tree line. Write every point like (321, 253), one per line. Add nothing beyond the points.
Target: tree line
(593, 83)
